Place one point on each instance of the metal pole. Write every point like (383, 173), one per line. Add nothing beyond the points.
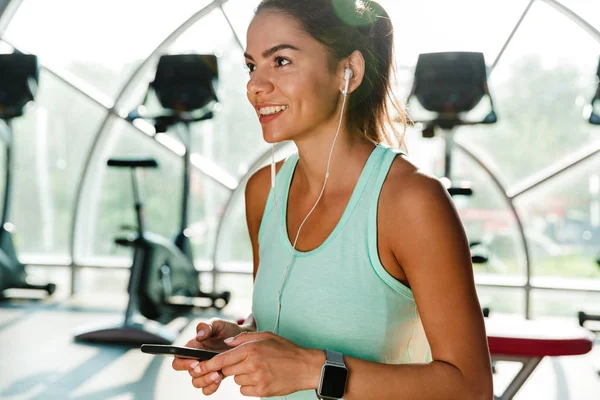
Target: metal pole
(237, 192)
(448, 149)
(102, 131)
(8, 8)
(573, 16)
(512, 34)
(511, 204)
(187, 166)
(137, 201)
(7, 175)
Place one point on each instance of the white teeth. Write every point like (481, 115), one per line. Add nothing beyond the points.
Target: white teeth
(272, 110)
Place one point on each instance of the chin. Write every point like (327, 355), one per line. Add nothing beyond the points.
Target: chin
(271, 140)
(274, 137)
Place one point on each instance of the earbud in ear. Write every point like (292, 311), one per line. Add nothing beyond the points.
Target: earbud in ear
(347, 76)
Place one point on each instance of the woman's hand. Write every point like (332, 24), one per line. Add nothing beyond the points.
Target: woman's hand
(210, 335)
(263, 364)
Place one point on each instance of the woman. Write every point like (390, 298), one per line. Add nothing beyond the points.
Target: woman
(380, 275)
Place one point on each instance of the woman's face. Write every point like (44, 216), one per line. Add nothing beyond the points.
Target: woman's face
(291, 86)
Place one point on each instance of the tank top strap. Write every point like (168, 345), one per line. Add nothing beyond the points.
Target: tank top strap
(282, 182)
(384, 168)
(386, 164)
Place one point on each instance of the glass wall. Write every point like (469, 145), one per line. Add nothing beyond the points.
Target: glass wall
(563, 220)
(542, 58)
(113, 37)
(51, 144)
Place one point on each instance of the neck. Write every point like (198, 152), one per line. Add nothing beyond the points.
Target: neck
(347, 161)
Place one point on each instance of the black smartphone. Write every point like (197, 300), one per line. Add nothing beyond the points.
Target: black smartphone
(183, 352)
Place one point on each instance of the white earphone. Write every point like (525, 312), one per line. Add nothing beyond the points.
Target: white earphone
(347, 76)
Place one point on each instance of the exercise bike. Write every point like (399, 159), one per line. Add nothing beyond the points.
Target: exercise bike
(19, 75)
(450, 84)
(164, 283)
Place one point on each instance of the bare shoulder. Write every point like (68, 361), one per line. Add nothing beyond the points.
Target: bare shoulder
(256, 194)
(424, 233)
(415, 211)
(257, 191)
(408, 186)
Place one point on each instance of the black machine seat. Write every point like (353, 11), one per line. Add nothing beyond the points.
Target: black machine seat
(132, 162)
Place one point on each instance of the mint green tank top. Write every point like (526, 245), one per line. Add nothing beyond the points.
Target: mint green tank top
(337, 296)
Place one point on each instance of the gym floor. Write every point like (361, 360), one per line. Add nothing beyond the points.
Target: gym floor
(40, 360)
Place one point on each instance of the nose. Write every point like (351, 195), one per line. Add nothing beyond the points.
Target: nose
(259, 83)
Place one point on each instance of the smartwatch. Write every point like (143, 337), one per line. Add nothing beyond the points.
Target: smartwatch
(334, 376)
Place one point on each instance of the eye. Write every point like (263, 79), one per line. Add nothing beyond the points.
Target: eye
(250, 67)
(282, 62)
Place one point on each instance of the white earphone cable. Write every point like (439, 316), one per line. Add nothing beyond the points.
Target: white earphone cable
(281, 222)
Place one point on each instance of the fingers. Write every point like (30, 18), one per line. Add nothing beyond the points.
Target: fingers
(184, 364)
(239, 369)
(244, 380)
(235, 369)
(225, 359)
(208, 380)
(249, 391)
(210, 383)
(204, 330)
(245, 337)
(211, 389)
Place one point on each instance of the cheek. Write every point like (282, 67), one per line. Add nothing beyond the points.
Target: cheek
(310, 97)
(249, 95)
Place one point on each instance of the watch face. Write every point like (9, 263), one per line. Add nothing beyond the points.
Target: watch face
(333, 383)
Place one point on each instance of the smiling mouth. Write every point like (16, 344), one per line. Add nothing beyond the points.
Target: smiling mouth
(271, 110)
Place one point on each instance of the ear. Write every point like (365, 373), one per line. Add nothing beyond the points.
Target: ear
(356, 62)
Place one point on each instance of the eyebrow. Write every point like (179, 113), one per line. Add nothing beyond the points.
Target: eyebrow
(268, 53)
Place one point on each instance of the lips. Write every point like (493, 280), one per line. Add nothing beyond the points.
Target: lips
(265, 119)
(273, 110)
(269, 108)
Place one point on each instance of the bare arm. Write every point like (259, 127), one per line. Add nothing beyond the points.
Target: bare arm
(427, 239)
(256, 194)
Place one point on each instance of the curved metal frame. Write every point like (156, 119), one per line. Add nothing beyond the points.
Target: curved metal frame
(573, 16)
(510, 195)
(509, 200)
(512, 34)
(88, 92)
(205, 166)
(590, 151)
(7, 12)
(260, 160)
(102, 131)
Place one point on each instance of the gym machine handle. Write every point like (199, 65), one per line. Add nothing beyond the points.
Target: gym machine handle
(132, 162)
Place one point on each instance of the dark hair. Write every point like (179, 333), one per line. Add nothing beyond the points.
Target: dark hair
(344, 26)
